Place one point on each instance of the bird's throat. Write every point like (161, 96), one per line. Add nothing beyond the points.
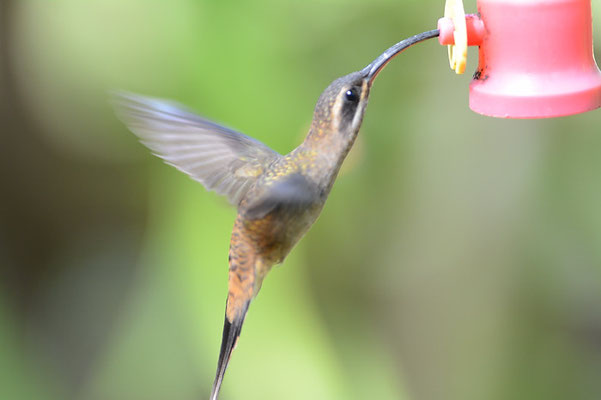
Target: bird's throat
(322, 154)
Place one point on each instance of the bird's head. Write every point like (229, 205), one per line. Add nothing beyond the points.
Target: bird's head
(340, 108)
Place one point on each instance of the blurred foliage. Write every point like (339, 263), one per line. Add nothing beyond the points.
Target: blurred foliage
(458, 257)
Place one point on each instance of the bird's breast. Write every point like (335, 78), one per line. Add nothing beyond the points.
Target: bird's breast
(277, 233)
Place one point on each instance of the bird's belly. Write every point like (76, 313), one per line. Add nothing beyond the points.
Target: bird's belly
(296, 226)
(276, 234)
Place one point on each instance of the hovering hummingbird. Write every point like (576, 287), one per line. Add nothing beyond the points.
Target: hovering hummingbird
(278, 196)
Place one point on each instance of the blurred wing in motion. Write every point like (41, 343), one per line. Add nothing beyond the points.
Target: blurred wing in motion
(222, 159)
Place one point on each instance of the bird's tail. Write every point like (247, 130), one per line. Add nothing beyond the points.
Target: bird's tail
(231, 332)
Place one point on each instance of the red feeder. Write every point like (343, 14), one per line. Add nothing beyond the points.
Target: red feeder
(536, 56)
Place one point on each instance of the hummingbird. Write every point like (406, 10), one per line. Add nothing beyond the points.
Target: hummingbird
(278, 197)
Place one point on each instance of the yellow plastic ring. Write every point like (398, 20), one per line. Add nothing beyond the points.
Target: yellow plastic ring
(453, 9)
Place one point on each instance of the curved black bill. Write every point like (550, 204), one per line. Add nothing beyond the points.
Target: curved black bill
(376, 66)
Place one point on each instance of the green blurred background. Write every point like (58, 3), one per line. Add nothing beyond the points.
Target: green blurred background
(458, 257)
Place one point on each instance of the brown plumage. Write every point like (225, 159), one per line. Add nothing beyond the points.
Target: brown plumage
(278, 196)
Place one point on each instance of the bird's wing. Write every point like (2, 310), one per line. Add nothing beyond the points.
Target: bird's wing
(293, 192)
(222, 159)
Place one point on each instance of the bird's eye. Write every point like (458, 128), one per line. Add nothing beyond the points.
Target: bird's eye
(351, 95)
